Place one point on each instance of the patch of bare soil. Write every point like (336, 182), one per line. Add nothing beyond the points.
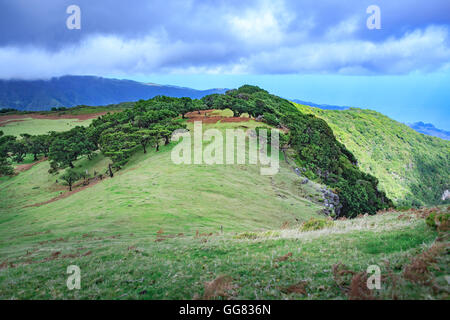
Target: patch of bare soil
(207, 116)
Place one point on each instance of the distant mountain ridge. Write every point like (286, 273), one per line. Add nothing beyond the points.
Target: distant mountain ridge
(320, 106)
(429, 129)
(421, 127)
(70, 91)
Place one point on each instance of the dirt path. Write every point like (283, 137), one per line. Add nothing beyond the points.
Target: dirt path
(28, 166)
(76, 188)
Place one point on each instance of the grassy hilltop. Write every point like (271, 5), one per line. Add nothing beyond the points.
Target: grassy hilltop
(413, 169)
(153, 190)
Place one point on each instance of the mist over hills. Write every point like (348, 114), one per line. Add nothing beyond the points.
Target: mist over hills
(69, 91)
(429, 129)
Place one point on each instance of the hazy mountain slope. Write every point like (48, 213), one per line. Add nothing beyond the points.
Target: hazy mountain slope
(431, 130)
(69, 91)
(412, 168)
(320, 106)
(425, 128)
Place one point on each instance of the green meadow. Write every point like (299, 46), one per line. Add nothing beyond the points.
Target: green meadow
(41, 126)
(158, 230)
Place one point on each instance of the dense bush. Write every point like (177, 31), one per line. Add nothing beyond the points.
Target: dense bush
(7, 110)
(438, 220)
(316, 224)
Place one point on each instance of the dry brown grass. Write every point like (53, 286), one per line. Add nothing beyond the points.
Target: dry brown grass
(284, 258)
(299, 288)
(342, 276)
(285, 225)
(358, 289)
(419, 269)
(220, 287)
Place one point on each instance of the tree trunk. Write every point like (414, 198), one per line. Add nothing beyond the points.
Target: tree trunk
(35, 157)
(145, 150)
(166, 140)
(71, 165)
(70, 186)
(284, 154)
(157, 147)
(110, 171)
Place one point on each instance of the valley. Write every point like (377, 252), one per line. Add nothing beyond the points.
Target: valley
(413, 169)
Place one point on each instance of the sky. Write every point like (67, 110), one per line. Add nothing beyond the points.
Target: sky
(313, 50)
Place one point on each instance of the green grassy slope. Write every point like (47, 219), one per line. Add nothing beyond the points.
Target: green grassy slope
(41, 126)
(151, 193)
(110, 231)
(412, 168)
(130, 265)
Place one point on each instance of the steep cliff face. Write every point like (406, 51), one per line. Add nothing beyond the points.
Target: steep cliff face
(446, 195)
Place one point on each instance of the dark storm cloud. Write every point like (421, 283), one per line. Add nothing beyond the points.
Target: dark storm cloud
(42, 23)
(258, 36)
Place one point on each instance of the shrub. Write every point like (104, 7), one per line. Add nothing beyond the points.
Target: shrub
(271, 119)
(246, 235)
(438, 220)
(255, 235)
(316, 224)
(5, 167)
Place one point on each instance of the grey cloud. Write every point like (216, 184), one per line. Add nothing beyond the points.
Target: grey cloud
(257, 36)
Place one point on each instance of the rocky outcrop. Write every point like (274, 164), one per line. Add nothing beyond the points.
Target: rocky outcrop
(331, 202)
(330, 199)
(445, 195)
